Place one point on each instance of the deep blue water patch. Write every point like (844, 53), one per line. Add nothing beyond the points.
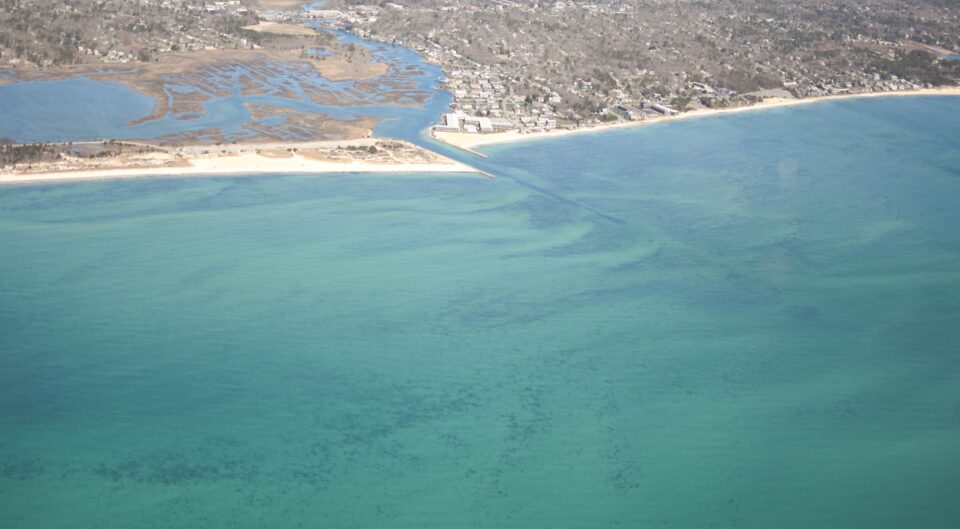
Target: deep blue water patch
(71, 109)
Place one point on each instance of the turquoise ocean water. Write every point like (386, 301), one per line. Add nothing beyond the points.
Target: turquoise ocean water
(745, 321)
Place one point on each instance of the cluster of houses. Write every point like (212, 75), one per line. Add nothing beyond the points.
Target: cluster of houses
(484, 93)
(476, 89)
(460, 121)
(643, 110)
(489, 97)
(225, 6)
(356, 14)
(107, 56)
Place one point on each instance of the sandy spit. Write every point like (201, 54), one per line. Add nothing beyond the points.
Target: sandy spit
(238, 164)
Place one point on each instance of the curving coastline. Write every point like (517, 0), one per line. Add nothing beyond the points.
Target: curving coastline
(468, 142)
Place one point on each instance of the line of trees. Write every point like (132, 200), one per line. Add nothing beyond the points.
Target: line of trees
(29, 153)
(12, 153)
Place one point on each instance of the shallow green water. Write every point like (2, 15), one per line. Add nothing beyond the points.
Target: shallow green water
(747, 321)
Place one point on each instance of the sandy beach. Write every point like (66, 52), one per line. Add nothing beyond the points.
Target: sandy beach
(277, 161)
(469, 141)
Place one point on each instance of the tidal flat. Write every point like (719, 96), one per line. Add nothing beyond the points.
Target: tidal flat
(221, 96)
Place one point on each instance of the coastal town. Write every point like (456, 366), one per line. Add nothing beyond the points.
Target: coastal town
(47, 33)
(537, 66)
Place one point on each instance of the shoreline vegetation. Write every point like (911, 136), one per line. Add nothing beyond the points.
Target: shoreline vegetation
(363, 155)
(151, 78)
(470, 141)
(320, 157)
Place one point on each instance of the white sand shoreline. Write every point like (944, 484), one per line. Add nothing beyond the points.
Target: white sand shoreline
(240, 164)
(236, 160)
(468, 142)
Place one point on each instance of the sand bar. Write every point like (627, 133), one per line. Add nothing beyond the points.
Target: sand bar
(468, 141)
(241, 163)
